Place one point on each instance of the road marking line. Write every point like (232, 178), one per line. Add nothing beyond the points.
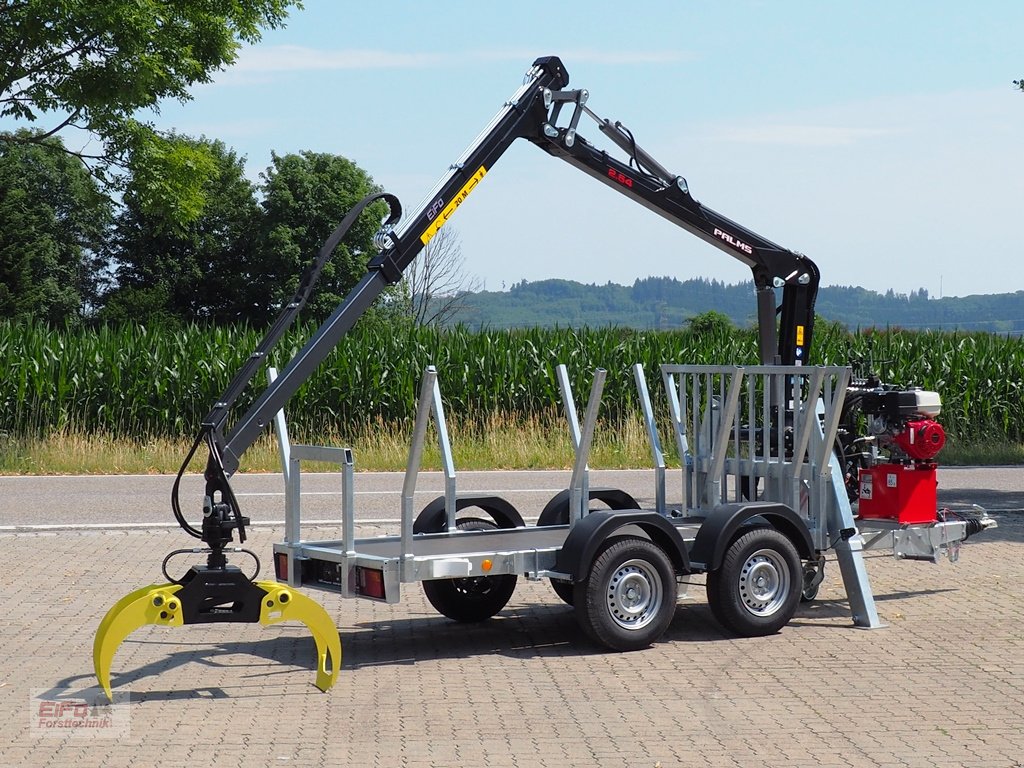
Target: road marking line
(43, 527)
(398, 491)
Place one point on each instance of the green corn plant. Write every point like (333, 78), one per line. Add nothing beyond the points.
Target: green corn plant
(139, 381)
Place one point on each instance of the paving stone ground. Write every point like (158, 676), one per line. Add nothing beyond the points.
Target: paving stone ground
(943, 685)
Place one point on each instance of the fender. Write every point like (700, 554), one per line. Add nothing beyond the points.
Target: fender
(556, 511)
(587, 536)
(719, 530)
(432, 519)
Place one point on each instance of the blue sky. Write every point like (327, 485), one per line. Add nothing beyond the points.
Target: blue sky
(882, 139)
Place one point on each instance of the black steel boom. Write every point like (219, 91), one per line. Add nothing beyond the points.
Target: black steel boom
(532, 113)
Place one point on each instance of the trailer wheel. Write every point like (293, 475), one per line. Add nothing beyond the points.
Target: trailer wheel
(472, 598)
(628, 599)
(556, 512)
(756, 590)
(566, 590)
(814, 574)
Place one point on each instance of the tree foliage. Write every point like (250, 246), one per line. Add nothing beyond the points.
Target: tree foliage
(53, 222)
(710, 322)
(305, 196)
(667, 303)
(207, 269)
(241, 258)
(92, 65)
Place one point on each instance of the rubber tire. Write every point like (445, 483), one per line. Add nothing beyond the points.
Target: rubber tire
(641, 561)
(778, 557)
(558, 514)
(473, 598)
(808, 593)
(566, 590)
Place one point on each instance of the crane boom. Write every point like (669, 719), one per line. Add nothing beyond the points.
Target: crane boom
(544, 113)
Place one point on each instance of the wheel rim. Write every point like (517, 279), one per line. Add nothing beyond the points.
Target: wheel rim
(634, 594)
(475, 587)
(764, 582)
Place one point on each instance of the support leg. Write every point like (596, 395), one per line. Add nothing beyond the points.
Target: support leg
(850, 553)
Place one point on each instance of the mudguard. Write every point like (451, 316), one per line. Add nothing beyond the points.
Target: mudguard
(587, 535)
(432, 519)
(719, 530)
(556, 511)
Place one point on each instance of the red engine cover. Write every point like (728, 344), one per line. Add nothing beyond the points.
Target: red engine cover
(921, 439)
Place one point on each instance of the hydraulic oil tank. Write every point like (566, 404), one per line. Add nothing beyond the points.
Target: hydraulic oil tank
(905, 493)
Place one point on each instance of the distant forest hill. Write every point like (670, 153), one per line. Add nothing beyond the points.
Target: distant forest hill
(665, 303)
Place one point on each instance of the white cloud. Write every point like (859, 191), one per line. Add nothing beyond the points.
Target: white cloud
(292, 58)
(801, 135)
(895, 192)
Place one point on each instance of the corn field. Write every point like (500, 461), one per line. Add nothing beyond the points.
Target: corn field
(139, 381)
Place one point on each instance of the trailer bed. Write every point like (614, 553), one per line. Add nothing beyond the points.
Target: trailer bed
(532, 550)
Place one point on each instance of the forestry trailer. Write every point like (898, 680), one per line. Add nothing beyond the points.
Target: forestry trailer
(781, 461)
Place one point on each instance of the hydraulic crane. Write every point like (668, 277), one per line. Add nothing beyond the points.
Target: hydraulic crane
(544, 112)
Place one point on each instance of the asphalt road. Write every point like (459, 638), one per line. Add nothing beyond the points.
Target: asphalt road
(28, 503)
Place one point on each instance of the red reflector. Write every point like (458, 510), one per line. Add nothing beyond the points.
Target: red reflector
(370, 582)
(281, 565)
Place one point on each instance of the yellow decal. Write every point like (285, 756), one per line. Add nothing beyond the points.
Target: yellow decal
(441, 218)
(799, 335)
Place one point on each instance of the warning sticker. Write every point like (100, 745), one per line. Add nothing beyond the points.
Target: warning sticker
(865, 486)
(459, 199)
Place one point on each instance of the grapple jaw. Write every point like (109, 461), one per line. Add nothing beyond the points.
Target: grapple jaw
(211, 595)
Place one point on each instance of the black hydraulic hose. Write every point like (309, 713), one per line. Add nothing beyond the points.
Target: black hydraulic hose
(175, 502)
(215, 419)
(291, 310)
(198, 550)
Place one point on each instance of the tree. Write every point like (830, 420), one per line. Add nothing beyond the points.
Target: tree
(436, 284)
(306, 196)
(203, 270)
(53, 222)
(709, 323)
(91, 65)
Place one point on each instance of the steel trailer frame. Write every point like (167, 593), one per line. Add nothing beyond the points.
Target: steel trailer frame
(757, 445)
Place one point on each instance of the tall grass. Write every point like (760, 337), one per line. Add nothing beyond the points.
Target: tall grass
(141, 382)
